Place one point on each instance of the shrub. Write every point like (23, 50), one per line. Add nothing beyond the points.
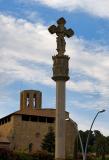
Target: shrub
(42, 155)
(89, 156)
(39, 155)
(24, 156)
(7, 155)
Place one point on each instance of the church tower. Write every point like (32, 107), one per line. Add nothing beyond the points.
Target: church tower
(30, 100)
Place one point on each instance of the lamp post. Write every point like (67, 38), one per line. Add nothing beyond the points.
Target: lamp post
(84, 152)
(90, 133)
(81, 143)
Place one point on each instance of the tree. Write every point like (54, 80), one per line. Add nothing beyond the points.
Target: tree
(48, 142)
(98, 143)
(101, 144)
(107, 145)
(84, 135)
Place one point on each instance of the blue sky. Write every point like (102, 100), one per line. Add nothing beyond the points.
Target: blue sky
(26, 50)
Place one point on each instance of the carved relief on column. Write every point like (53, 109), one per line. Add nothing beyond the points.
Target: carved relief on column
(60, 67)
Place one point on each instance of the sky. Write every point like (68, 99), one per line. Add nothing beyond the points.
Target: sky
(26, 50)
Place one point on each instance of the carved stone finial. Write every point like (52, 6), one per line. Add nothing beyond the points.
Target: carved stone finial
(61, 32)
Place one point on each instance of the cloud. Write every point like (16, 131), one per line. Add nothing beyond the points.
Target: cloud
(92, 104)
(26, 50)
(25, 38)
(91, 62)
(22, 42)
(93, 7)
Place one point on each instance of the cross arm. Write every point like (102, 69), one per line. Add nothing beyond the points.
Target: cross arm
(52, 29)
(69, 33)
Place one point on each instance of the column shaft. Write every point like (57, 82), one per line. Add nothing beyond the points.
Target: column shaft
(60, 120)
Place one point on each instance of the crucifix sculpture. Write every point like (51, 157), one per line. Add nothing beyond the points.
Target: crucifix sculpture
(61, 32)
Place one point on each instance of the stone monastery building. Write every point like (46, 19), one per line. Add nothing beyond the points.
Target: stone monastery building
(26, 128)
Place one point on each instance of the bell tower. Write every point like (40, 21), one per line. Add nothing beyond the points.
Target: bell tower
(30, 99)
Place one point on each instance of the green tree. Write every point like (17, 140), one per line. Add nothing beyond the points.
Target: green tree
(107, 145)
(84, 135)
(48, 142)
(100, 143)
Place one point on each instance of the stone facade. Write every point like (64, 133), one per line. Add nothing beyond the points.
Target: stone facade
(26, 128)
(4, 143)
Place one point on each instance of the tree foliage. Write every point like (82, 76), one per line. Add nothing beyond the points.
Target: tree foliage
(48, 142)
(98, 143)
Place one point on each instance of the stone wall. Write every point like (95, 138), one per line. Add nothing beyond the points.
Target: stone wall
(6, 128)
(71, 137)
(28, 132)
(23, 134)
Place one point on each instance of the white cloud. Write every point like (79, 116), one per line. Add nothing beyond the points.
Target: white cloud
(97, 8)
(25, 54)
(92, 104)
(25, 38)
(92, 62)
(82, 86)
(25, 47)
(22, 41)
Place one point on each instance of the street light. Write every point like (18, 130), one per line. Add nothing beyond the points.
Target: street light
(81, 143)
(90, 132)
(85, 152)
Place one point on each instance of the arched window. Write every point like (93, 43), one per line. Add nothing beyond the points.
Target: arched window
(28, 100)
(34, 101)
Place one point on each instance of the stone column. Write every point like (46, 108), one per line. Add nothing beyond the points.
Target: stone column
(31, 100)
(60, 75)
(60, 120)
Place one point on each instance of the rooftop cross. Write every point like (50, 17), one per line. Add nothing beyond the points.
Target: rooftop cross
(61, 32)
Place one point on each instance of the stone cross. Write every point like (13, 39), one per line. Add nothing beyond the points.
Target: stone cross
(61, 32)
